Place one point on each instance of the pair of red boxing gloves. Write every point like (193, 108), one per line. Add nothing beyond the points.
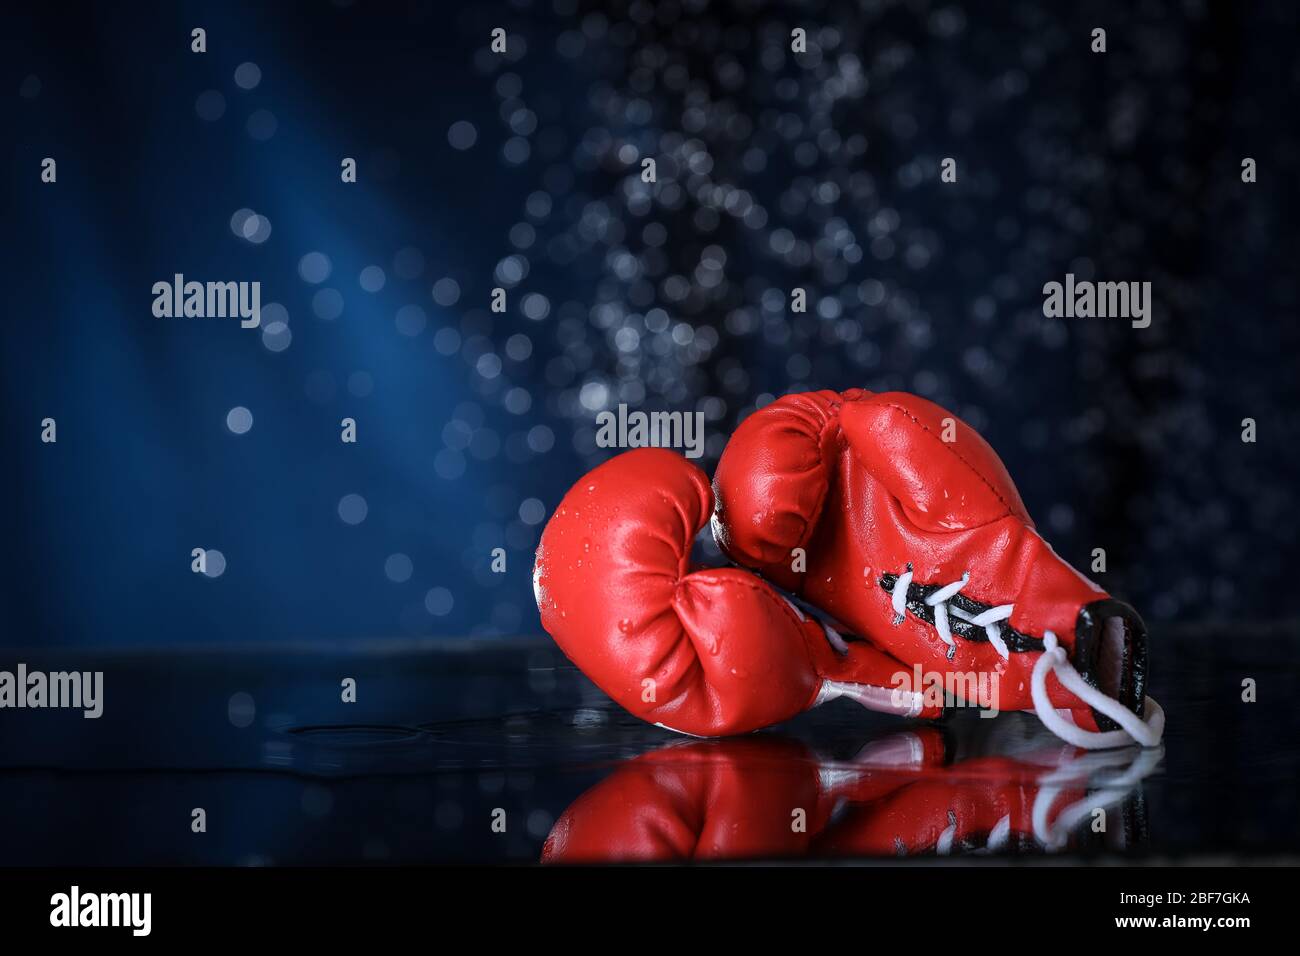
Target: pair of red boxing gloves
(887, 514)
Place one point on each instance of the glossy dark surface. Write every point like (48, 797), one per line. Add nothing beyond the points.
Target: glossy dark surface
(439, 739)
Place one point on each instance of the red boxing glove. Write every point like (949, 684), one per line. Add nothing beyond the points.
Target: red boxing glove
(898, 519)
(704, 652)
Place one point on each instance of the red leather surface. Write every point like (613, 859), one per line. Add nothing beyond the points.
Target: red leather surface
(866, 485)
(726, 654)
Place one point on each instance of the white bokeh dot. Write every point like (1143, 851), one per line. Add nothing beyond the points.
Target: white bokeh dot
(447, 341)
(214, 563)
(372, 278)
(239, 420)
(538, 205)
(410, 320)
(327, 304)
(539, 824)
(258, 229)
(594, 396)
(462, 135)
(511, 269)
(536, 306)
(516, 151)
(519, 347)
(398, 568)
(238, 221)
(446, 291)
(315, 267)
(262, 125)
(438, 602)
(532, 511)
(276, 336)
(249, 226)
(248, 75)
(274, 312)
(541, 439)
(241, 710)
(353, 509)
(522, 235)
(518, 401)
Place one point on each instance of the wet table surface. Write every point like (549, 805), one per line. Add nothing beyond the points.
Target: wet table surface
(502, 752)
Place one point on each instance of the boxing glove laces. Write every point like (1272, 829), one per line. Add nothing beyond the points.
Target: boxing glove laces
(897, 519)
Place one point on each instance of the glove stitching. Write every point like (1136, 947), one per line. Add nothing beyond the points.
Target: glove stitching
(830, 420)
(949, 447)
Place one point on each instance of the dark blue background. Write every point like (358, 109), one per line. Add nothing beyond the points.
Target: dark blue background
(1124, 167)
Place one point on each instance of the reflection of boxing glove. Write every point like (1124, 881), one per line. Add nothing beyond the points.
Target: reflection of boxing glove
(732, 799)
(985, 804)
(705, 652)
(899, 520)
(1034, 799)
(747, 798)
(768, 797)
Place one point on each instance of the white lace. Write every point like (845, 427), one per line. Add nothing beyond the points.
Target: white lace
(887, 700)
(1114, 790)
(991, 620)
(900, 596)
(833, 637)
(1133, 728)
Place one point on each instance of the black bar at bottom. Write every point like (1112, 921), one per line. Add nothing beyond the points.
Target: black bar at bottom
(898, 901)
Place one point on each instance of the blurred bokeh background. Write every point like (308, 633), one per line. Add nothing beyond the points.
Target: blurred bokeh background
(522, 171)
